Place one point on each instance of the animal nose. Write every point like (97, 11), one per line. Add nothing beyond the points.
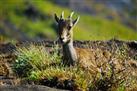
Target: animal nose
(62, 38)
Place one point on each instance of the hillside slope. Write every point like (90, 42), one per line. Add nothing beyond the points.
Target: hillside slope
(35, 19)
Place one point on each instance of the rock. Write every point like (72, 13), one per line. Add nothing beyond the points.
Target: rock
(28, 88)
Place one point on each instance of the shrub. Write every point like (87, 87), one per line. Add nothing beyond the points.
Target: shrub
(21, 66)
(34, 58)
(112, 71)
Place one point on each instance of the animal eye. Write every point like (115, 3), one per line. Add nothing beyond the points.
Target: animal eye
(68, 34)
(69, 27)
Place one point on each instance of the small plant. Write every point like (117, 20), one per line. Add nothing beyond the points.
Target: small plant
(63, 77)
(22, 66)
(34, 58)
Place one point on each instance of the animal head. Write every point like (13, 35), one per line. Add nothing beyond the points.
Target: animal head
(65, 27)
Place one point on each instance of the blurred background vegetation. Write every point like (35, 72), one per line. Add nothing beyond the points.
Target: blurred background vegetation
(100, 20)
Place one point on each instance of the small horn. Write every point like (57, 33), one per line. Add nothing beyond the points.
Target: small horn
(71, 15)
(62, 15)
(76, 21)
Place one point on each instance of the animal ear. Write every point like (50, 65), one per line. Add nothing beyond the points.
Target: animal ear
(56, 17)
(62, 15)
(76, 21)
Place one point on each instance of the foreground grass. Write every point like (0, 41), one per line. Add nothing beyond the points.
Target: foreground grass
(44, 66)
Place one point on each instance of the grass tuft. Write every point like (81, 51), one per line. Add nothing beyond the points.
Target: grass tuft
(44, 66)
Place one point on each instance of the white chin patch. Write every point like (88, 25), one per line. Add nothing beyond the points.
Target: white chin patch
(64, 40)
(64, 37)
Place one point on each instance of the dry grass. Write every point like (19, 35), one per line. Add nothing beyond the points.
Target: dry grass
(112, 70)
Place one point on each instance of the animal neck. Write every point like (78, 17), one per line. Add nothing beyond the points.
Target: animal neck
(69, 53)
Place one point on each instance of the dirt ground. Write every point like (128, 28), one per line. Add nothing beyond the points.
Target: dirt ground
(7, 54)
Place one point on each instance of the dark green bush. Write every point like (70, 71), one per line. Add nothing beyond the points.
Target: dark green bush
(22, 66)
